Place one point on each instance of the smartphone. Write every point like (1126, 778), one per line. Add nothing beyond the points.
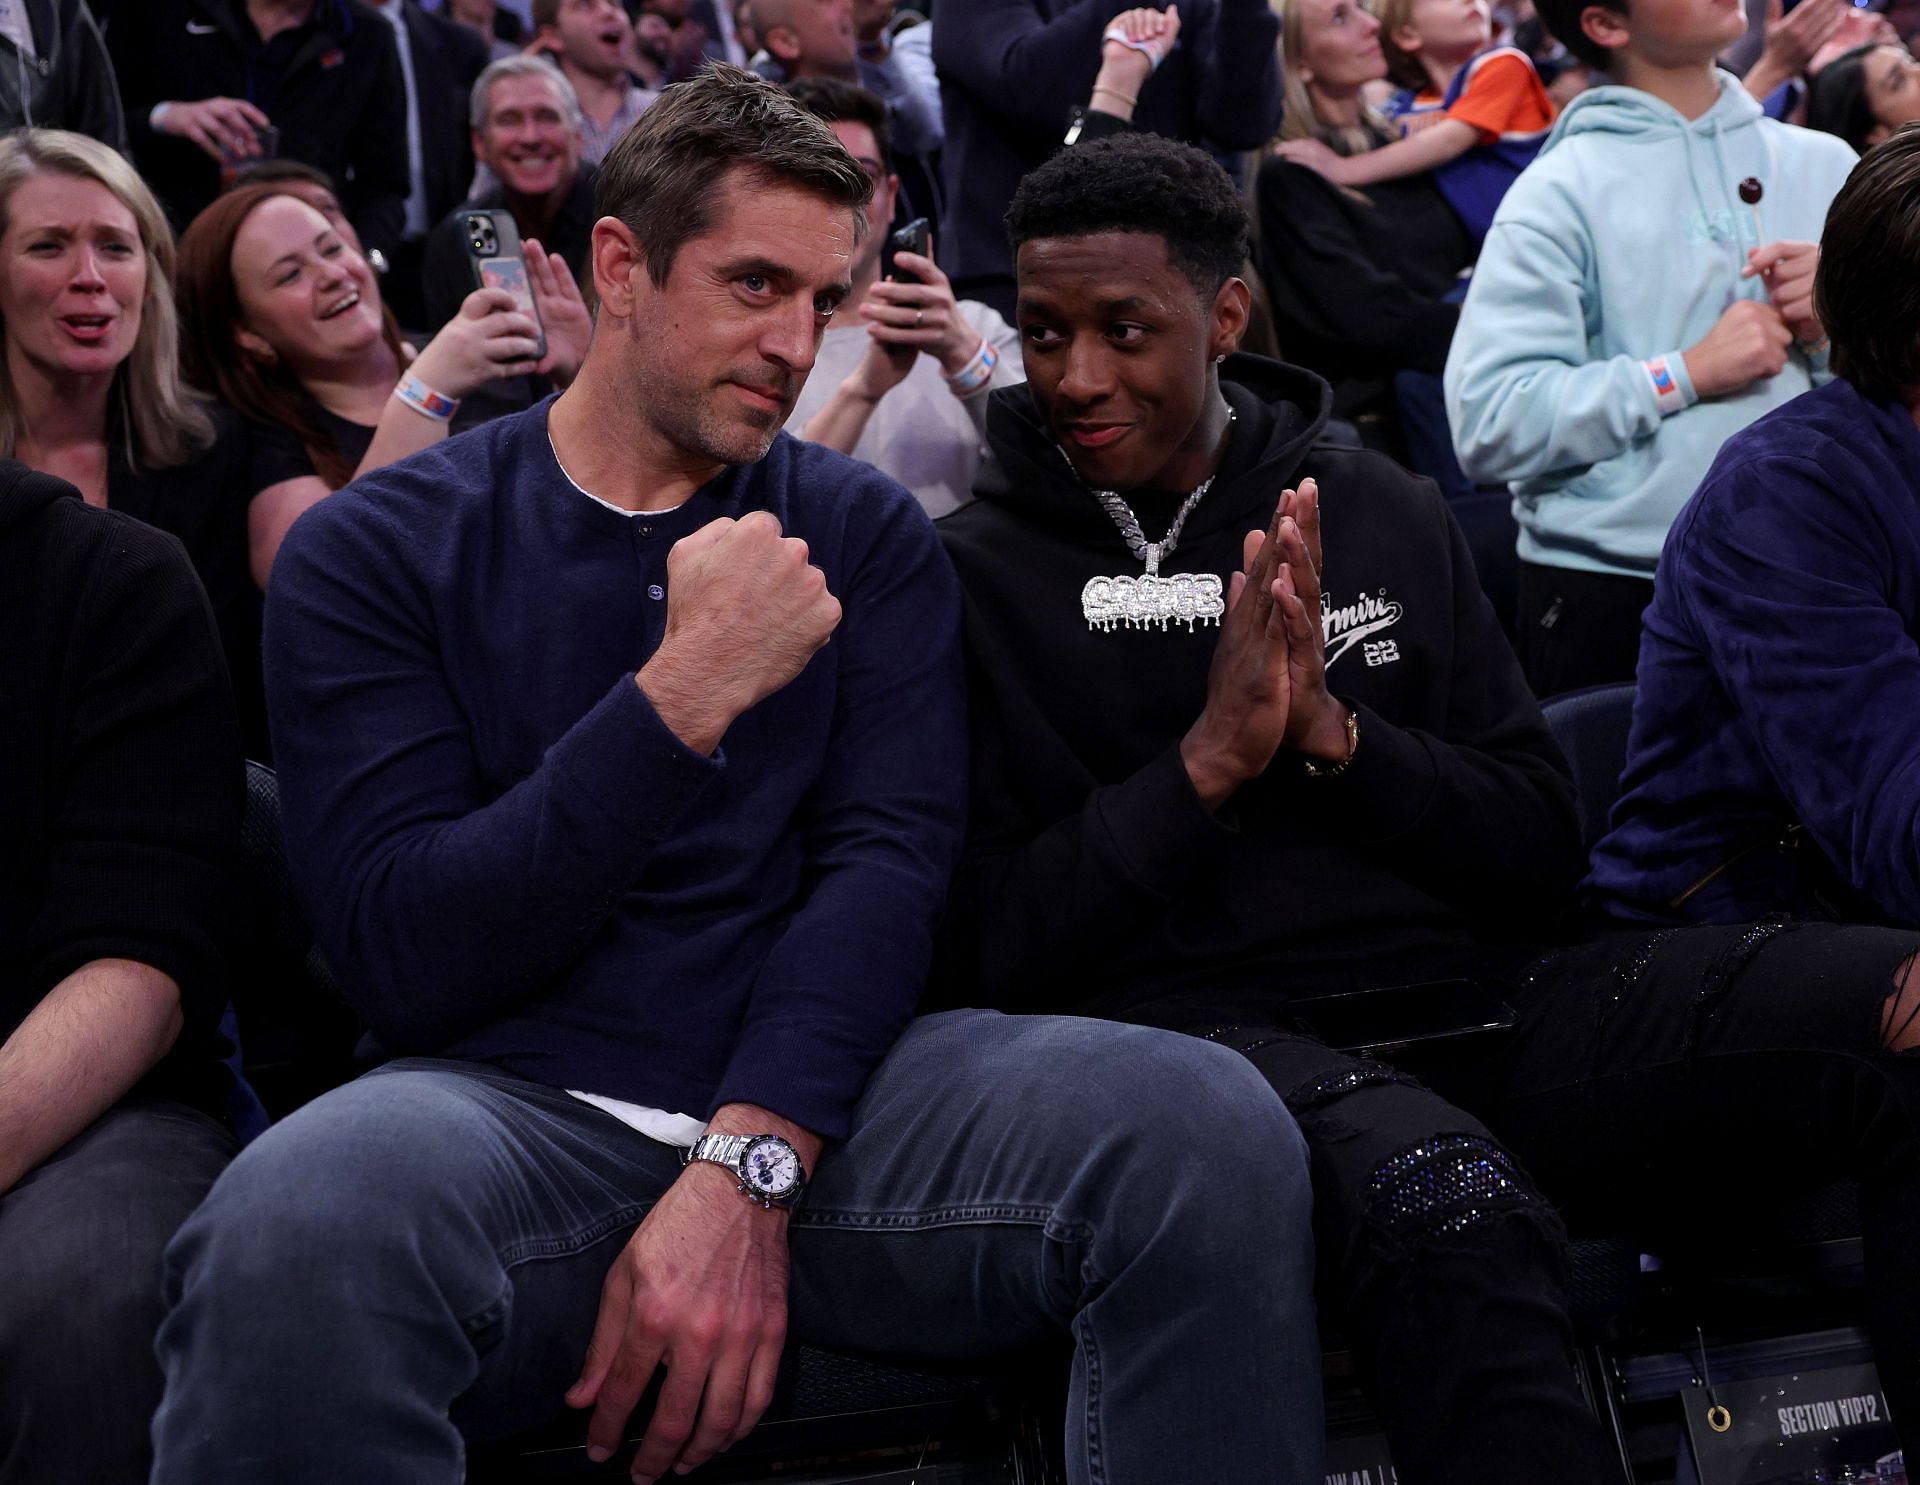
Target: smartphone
(1398, 1016)
(494, 255)
(911, 238)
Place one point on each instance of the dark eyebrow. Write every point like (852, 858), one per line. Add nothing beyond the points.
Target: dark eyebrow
(765, 267)
(782, 275)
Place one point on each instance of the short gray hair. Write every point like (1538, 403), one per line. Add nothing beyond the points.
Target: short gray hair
(480, 106)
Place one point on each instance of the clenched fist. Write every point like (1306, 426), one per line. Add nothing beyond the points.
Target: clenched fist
(746, 610)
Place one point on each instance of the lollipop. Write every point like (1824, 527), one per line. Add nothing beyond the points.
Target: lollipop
(1750, 192)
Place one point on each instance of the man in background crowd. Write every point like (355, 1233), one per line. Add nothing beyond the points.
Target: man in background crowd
(592, 42)
(210, 85)
(527, 135)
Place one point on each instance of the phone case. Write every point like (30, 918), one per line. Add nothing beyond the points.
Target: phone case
(497, 262)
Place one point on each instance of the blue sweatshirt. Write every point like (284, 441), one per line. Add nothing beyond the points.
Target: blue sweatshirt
(506, 854)
(1616, 250)
(1780, 679)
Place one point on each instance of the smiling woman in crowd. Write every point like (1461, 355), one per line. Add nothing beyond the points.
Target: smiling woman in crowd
(283, 320)
(90, 385)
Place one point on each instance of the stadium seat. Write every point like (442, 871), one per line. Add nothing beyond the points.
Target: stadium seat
(1591, 728)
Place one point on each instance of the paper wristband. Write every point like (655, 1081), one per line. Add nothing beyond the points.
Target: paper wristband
(1666, 388)
(424, 400)
(1154, 51)
(977, 372)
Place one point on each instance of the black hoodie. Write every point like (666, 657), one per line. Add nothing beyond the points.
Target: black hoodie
(1095, 881)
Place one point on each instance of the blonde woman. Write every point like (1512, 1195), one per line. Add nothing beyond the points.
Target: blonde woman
(1362, 280)
(90, 384)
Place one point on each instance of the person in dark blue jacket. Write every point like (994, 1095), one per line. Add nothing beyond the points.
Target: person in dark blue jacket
(1762, 872)
(623, 766)
(1011, 72)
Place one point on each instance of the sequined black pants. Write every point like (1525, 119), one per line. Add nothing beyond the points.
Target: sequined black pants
(1684, 1086)
(1441, 1268)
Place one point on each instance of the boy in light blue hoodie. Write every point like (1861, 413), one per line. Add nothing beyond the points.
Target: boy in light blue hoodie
(1645, 292)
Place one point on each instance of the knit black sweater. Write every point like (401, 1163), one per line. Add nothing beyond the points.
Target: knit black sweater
(121, 811)
(1093, 878)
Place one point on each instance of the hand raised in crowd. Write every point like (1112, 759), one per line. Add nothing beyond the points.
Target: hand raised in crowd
(1787, 269)
(746, 610)
(920, 317)
(701, 1289)
(563, 313)
(489, 338)
(1791, 41)
(226, 128)
(1748, 343)
(1123, 63)
(1261, 694)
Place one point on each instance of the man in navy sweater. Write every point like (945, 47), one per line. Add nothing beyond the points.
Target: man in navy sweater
(622, 769)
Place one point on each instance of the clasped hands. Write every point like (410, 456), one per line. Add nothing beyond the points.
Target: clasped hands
(1267, 685)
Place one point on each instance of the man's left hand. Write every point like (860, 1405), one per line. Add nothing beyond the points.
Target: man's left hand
(924, 316)
(1787, 269)
(1316, 723)
(701, 1289)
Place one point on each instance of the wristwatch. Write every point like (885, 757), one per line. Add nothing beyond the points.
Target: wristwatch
(768, 1169)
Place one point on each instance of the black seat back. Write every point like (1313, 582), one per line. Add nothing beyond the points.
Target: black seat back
(1591, 728)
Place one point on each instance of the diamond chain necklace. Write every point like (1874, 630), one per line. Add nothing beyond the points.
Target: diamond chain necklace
(1188, 597)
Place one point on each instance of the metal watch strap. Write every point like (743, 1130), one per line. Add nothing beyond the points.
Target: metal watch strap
(729, 1150)
(721, 1149)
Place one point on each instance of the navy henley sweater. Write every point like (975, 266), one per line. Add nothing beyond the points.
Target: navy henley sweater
(506, 854)
(1779, 677)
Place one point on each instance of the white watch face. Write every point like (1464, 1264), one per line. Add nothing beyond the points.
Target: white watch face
(772, 1166)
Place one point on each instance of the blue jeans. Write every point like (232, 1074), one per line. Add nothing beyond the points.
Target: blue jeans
(416, 1259)
(80, 1243)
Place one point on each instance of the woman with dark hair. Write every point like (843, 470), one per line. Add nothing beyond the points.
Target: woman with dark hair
(90, 383)
(1865, 94)
(283, 320)
(1364, 283)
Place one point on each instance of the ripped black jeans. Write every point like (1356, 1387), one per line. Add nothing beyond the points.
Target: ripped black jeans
(1443, 1269)
(1671, 1085)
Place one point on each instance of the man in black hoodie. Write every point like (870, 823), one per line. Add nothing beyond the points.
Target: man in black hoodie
(1192, 827)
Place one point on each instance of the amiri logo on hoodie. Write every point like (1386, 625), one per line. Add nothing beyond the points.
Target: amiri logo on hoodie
(1343, 628)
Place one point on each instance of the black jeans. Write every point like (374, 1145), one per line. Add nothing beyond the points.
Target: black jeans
(1578, 629)
(1444, 1269)
(1677, 1083)
(80, 1300)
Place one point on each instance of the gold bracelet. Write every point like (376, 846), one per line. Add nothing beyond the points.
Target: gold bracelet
(1116, 93)
(1333, 770)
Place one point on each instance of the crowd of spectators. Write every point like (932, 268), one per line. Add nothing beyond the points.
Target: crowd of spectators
(521, 422)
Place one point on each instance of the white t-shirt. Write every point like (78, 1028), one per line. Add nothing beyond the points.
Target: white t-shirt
(921, 434)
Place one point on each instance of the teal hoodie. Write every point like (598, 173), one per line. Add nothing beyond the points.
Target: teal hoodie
(1615, 251)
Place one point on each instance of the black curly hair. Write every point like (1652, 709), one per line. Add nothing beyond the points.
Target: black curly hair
(1139, 183)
